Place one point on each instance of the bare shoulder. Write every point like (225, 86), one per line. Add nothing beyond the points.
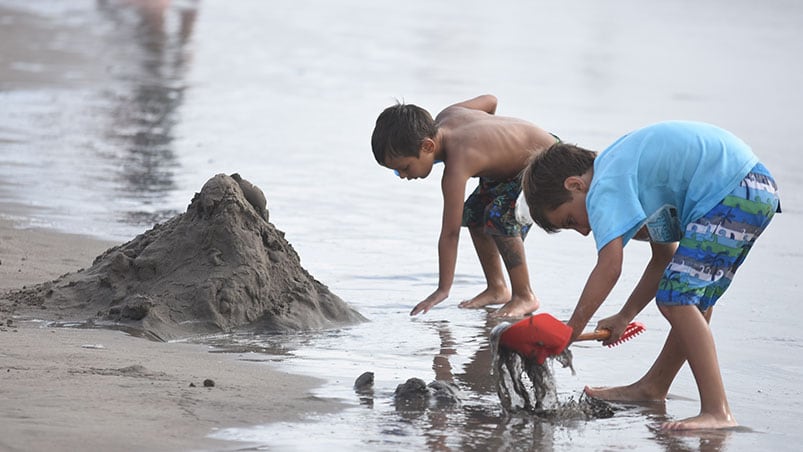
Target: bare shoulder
(485, 103)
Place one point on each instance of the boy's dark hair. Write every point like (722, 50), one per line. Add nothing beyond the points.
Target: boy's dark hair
(543, 178)
(400, 129)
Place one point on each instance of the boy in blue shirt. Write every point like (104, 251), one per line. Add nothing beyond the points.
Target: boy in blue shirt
(700, 197)
(471, 141)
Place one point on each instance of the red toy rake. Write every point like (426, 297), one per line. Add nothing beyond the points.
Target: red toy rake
(543, 335)
(632, 329)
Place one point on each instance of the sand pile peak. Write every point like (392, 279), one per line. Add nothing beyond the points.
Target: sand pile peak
(218, 267)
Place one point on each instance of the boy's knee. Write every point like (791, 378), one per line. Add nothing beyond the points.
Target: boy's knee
(511, 248)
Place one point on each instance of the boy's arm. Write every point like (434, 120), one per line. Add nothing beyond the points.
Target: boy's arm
(643, 293)
(486, 103)
(600, 283)
(454, 188)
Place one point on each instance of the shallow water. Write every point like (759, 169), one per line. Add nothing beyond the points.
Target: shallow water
(111, 117)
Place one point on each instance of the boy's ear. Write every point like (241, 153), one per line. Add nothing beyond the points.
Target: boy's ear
(575, 184)
(427, 145)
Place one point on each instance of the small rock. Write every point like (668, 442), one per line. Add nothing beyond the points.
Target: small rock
(209, 383)
(446, 394)
(364, 382)
(416, 395)
(412, 395)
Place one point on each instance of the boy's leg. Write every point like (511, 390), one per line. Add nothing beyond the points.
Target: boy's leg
(498, 232)
(496, 292)
(654, 385)
(697, 344)
(711, 251)
(523, 301)
(474, 217)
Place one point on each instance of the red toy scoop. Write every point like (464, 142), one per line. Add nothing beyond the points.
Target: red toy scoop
(542, 335)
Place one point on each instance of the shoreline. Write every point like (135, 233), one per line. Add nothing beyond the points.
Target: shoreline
(101, 389)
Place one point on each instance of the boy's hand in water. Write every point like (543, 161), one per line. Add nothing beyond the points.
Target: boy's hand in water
(429, 302)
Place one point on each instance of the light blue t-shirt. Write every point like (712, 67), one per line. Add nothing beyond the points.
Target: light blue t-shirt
(664, 176)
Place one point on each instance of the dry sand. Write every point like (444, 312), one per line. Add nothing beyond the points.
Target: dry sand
(80, 389)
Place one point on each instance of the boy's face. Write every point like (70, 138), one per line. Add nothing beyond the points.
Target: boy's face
(571, 214)
(412, 167)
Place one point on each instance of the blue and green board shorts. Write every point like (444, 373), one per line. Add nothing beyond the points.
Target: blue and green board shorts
(715, 245)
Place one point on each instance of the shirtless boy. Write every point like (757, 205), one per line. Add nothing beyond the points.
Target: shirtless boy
(471, 141)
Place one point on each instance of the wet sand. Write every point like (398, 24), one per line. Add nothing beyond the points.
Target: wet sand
(79, 389)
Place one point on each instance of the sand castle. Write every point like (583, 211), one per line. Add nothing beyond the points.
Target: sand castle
(218, 267)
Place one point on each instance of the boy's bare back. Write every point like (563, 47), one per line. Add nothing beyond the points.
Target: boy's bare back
(480, 144)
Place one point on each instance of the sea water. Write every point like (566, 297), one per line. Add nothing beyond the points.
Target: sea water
(113, 115)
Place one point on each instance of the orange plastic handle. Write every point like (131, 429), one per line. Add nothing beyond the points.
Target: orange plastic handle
(596, 335)
(633, 329)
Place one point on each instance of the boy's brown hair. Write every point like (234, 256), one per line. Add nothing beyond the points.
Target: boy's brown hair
(399, 131)
(543, 178)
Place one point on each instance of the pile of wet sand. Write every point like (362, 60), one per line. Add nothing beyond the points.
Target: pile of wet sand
(219, 267)
(526, 386)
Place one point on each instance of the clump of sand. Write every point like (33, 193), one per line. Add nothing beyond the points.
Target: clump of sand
(218, 267)
(526, 386)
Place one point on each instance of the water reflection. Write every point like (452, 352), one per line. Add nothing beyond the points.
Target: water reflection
(91, 95)
(480, 424)
(694, 440)
(144, 112)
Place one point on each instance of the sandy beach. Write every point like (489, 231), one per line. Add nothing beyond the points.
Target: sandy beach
(115, 113)
(81, 389)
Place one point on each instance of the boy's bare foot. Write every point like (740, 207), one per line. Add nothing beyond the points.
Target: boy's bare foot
(702, 422)
(486, 297)
(517, 307)
(630, 393)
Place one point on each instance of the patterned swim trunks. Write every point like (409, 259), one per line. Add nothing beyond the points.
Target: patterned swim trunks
(714, 246)
(493, 205)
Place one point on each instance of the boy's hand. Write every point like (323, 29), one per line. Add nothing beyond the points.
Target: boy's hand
(429, 302)
(616, 324)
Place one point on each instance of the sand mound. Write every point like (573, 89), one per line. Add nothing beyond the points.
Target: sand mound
(218, 267)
